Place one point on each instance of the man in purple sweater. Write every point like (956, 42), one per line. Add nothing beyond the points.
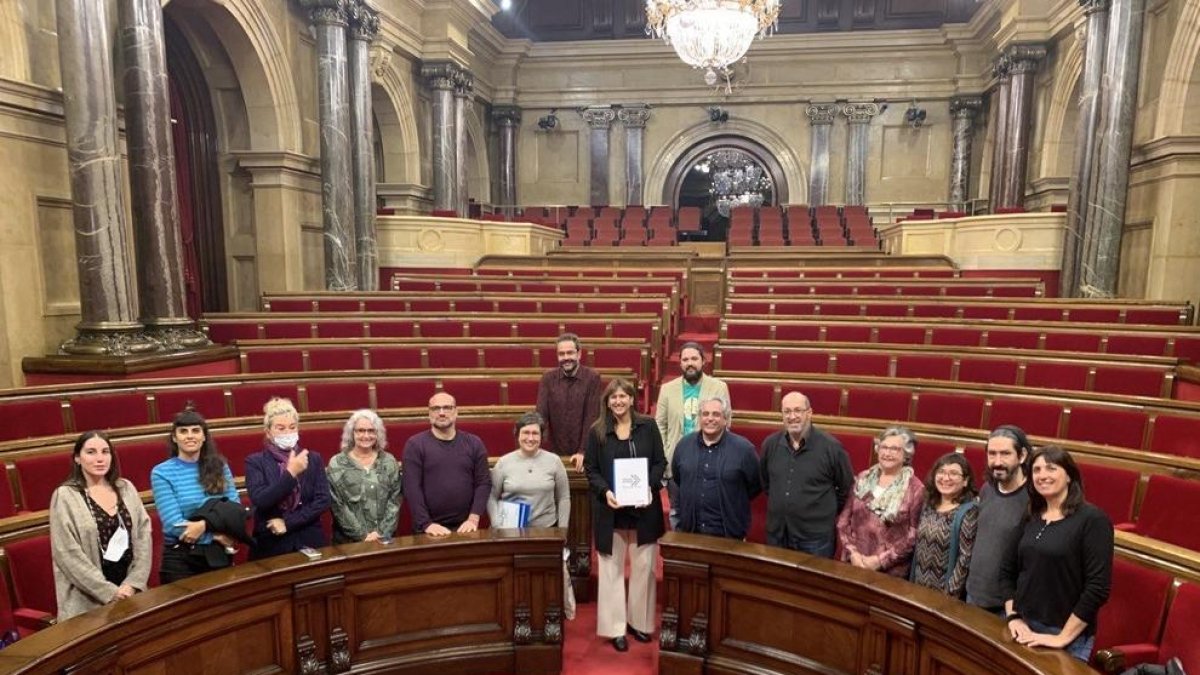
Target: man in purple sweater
(446, 476)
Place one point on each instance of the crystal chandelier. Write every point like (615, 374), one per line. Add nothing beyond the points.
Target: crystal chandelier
(737, 180)
(711, 34)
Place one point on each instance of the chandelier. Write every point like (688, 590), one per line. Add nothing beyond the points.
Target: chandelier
(711, 34)
(737, 180)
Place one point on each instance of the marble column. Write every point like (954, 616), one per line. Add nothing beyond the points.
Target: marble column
(106, 293)
(153, 188)
(337, 178)
(508, 119)
(464, 90)
(1105, 221)
(1087, 125)
(441, 76)
(820, 119)
(963, 110)
(999, 124)
(599, 119)
(1024, 59)
(634, 117)
(859, 116)
(364, 26)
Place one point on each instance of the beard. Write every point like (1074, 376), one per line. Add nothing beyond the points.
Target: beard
(568, 367)
(693, 375)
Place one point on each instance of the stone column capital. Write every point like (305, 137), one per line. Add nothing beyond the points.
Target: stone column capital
(364, 22)
(634, 116)
(860, 113)
(506, 115)
(464, 84)
(965, 106)
(1093, 6)
(326, 12)
(821, 113)
(599, 117)
(1025, 57)
(440, 74)
(1001, 67)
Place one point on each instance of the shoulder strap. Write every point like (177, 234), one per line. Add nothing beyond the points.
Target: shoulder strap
(955, 527)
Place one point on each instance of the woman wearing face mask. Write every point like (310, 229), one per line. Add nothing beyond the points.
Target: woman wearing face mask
(194, 474)
(99, 531)
(287, 487)
(538, 478)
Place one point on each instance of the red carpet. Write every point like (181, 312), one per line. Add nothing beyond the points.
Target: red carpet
(585, 653)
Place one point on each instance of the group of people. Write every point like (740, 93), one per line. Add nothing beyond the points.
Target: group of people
(1027, 547)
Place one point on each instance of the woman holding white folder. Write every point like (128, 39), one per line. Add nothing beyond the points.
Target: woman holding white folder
(624, 458)
(538, 479)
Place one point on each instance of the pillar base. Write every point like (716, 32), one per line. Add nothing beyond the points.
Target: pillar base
(115, 341)
(65, 368)
(178, 337)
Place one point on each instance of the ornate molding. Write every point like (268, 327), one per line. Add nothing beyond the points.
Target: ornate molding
(821, 113)
(1093, 6)
(965, 106)
(464, 84)
(635, 116)
(697, 642)
(381, 61)
(339, 651)
(364, 22)
(668, 633)
(599, 117)
(326, 12)
(860, 113)
(506, 115)
(178, 338)
(1001, 67)
(1025, 58)
(522, 628)
(553, 632)
(440, 75)
(306, 656)
(99, 342)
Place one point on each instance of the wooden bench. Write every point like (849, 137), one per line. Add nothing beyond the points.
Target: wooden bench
(919, 287)
(792, 273)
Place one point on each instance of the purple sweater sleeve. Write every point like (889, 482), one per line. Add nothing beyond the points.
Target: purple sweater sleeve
(414, 489)
(483, 478)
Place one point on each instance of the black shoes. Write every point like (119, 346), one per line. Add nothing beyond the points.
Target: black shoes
(620, 644)
(637, 634)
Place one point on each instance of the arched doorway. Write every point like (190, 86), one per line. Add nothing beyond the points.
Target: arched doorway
(721, 173)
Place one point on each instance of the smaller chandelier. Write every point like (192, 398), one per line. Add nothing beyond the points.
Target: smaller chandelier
(711, 34)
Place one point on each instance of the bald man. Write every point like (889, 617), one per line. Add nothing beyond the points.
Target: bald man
(446, 476)
(807, 476)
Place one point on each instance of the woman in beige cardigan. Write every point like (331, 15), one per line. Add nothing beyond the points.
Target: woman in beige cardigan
(99, 531)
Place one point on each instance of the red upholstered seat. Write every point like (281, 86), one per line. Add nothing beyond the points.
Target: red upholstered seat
(985, 312)
(931, 311)
(1051, 313)
(518, 306)
(445, 356)
(750, 307)
(1148, 345)
(491, 329)
(841, 309)
(882, 404)
(1073, 341)
(792, 333)
(547, 330)
(748, 360)
(901, 335)
(404, 393)
(987, 371)
(236, 446)
(619, 357)
(249, 399)
(208, 401)
(1107, 426)
(924, 366)
(335, 358)
(395, 358)
(824, 399)
(508, 357)
(1130, 620)
(863, 363)
(282, 360)
(497, 435)
(1169, 510)
(485, 392)
(1037, 418)
(547, 357)
(861, 448)
(802, 362)
(1112, 489)
(337, 305)
(291, 305)
(886, 309)
(384, 305)
(1013, 339)
(1094, 315)
(629, 329)
(1175, 435)
(751, 331)
(225, 332)
(8, 507)
(138, 459)
(441, 328)
(1132, 381)
(523, 392)
(843, 333)
(340, 328)
(1160, 317)
(959, 337)
(952, 409)
(391, 329)
(326, 440)
(287, 329)
(110, 411)
(977, 458)
(1056, 375)
(927, 454)
(32, 571)
(752, 396)
(1179, 634)
(328, 396)
(38, 417)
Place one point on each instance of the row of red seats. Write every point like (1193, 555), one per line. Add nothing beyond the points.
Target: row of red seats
(801, 226)
(427, 305)
(685, 219)
(1166, 427)
(916, 331)
(1053, 373)
(493, 286)
(844, 273)
(936, 288)
(1006, 309)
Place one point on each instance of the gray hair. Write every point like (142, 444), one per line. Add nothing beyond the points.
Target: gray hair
(369, 415)
(910, 440)
(726, 408)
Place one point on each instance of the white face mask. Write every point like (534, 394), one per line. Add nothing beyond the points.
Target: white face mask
(287, 441)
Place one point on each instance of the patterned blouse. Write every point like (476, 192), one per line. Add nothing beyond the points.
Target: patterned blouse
(364, 500)
(107, 525)
(859, 526)
(932, 553)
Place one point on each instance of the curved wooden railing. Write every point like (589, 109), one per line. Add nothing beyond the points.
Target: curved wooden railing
(733, 607)
(485, 602)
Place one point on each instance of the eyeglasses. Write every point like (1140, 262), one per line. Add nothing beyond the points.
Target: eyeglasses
(365, 432)
(890, 448)
(442, 408)
(788, 412)
(943, 473)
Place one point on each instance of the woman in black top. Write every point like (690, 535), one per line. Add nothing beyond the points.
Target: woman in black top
(1060, 573)
(619, 433)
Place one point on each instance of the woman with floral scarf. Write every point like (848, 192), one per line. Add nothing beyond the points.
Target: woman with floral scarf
(878, 526)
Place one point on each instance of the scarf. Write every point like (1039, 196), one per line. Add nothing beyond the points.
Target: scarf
(290, 502)
(887, 505)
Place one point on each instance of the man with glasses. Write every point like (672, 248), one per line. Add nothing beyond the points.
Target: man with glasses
(807, 476)
(568, 399)
(446, 476)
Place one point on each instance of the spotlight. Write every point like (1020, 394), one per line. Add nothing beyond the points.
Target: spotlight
(549, 121)
(914, 116)
(718, 115)
(506, 5)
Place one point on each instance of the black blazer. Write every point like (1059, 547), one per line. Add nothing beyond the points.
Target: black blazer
(598, 464)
